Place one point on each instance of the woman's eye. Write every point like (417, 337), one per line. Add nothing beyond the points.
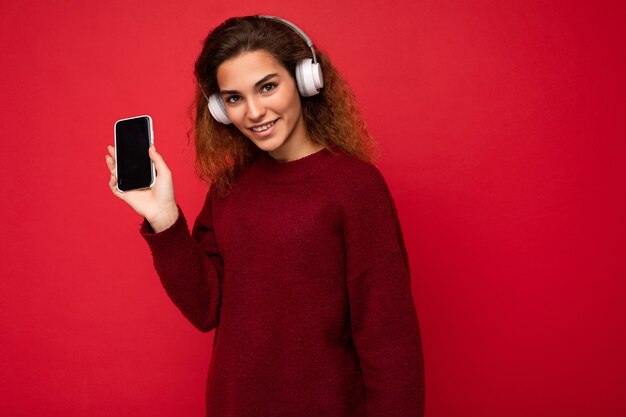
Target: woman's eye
(232, 99)
(269, 87)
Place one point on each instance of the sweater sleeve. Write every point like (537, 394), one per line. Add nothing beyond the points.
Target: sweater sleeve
(189, 266)
(383, 318)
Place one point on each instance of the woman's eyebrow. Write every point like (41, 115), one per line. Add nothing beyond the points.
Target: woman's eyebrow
(264, 79)
(257, 84)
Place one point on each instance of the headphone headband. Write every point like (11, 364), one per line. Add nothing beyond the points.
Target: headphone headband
(299, 31)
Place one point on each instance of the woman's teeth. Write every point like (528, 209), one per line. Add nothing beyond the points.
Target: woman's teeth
(264, 127)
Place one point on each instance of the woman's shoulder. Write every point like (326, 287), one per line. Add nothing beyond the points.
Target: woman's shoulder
(356, 168)
(357, 177)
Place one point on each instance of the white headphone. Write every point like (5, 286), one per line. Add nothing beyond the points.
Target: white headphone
(308, 76)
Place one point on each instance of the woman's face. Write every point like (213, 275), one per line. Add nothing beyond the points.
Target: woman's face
(262, 101)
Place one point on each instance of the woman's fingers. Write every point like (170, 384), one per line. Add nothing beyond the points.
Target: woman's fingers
(110, 160)
(113, 185)
(110, 164)
(159, 163)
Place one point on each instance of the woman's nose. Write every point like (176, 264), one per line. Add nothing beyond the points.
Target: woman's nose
(256, 109)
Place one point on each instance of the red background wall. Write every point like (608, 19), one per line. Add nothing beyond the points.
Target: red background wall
(502, 133)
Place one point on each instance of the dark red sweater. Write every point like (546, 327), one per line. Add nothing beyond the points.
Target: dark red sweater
(302, 271)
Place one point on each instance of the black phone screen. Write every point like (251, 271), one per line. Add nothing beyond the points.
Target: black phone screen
(132, 140)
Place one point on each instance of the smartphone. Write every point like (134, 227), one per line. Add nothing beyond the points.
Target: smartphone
(134, 168)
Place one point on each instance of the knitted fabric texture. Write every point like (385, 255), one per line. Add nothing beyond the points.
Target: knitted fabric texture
(303, 273)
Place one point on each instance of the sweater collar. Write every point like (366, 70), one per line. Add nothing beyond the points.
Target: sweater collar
(272, 170)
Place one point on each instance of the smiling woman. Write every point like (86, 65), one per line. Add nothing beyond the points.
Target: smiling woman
(263, 103)
(267, 46)
(297, 257)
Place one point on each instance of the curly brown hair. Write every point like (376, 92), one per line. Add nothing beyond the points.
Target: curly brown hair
(332, 118)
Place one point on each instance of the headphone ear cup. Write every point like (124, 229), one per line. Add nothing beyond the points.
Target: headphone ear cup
(309, 77)
(217, 109)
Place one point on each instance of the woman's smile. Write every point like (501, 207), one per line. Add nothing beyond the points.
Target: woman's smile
(266, 129)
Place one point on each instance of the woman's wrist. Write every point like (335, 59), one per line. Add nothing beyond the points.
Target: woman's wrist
(164, 218)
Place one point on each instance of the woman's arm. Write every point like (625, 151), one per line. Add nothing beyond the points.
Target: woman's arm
(384, 322)
(189, 266)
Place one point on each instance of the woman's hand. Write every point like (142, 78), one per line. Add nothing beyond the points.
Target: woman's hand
(157, 203)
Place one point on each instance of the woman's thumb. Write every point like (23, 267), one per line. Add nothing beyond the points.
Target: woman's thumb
(159, 163)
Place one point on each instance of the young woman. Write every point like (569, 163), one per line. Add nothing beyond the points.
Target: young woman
(297, 258)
